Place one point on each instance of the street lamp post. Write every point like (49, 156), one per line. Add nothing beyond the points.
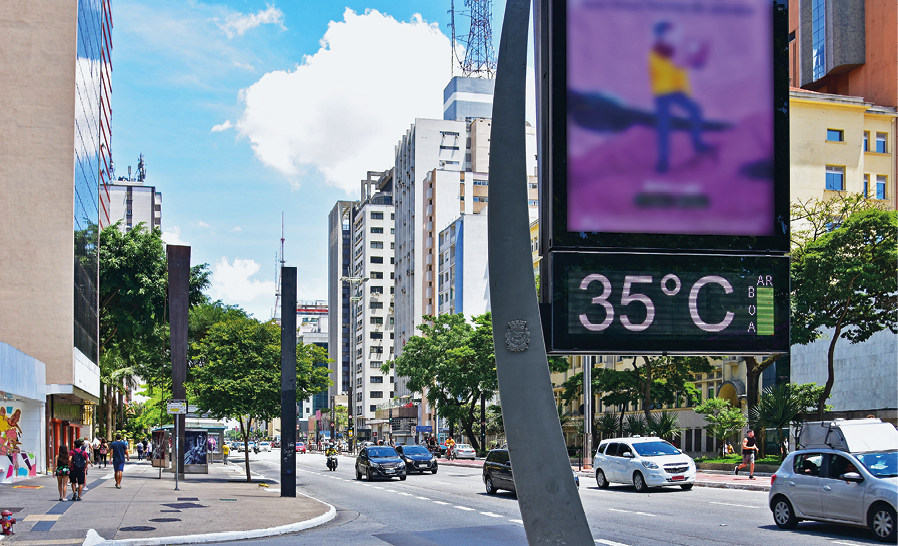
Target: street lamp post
(354, 299)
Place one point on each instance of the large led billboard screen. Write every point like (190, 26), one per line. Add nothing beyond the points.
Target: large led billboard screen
(667, 125)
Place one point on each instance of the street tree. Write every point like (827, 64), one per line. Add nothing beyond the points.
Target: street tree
(844, 284)
(723, 419)
(454, 363)
(240, 375)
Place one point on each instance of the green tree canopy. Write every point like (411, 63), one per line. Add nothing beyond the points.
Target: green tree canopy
(723, 419)
(845, 280)
(241, 373)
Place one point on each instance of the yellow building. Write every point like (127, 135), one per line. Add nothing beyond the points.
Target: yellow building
(841, 145)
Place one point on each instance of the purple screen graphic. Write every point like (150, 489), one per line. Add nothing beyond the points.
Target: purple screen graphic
(670, 116)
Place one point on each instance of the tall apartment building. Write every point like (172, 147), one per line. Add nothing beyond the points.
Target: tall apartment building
(365, 308)
(131, 201)
(54, 165)
(339, 265)
(441, 172)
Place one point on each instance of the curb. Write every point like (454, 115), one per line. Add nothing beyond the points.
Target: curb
(94, 539)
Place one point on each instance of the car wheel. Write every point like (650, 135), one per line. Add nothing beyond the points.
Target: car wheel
(639, 483)
(882, 522)
(402, 478)
(490, 490)
(358, 475)
(784, 514)
(368, 475)
(687, 486)
(434, 471)
(601, 480)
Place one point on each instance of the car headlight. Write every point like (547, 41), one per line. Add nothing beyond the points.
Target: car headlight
(649, 464)
(401, 465)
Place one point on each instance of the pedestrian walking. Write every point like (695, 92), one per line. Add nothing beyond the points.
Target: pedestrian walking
(104, 451)
(749, 450)
(62, 471)
(95, 447)
(119, 456)
(139, 451)
(80, 460)
(225, 451)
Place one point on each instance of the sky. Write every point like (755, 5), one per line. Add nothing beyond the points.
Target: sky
(246, 110)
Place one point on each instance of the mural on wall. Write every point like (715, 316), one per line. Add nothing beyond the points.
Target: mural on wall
(14, 465)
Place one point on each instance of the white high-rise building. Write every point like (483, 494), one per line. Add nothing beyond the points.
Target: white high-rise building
(362, 244)
(440, 174)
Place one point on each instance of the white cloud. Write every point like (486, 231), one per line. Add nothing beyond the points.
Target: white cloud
(200, 223)
(237, 24)
(343, 109)
(222, 126)
(237, 229)
(231, 283)
(172, 236)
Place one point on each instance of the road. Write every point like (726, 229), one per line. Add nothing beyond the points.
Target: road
(452, 507)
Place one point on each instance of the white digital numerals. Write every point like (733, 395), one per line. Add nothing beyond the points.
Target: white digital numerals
(629, 296)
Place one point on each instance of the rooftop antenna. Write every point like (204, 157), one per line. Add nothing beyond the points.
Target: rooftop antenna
(279, 265)
(480, 56)
(452, 25)
(141, 169)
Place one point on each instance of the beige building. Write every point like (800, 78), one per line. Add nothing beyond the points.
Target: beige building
(54, 162)
(841, 145)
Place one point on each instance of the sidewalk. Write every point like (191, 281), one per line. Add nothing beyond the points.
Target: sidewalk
(147, 510)
(702, 479)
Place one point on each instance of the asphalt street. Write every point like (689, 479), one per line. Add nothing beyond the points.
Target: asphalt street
(452, 507)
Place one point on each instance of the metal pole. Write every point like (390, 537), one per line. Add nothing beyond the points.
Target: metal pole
(547, 496)
(288, 382)
(482, 422)
(588, 361)
(177, 450)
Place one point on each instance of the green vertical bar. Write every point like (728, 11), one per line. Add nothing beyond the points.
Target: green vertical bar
(765, 311)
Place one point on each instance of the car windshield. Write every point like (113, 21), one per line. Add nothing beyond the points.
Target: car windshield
(655, 449)
(882, 464)
(415, 450)
(382, 452)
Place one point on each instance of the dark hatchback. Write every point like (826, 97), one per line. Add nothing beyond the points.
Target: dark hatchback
(497, 472)
(379, 462)
(417, 459)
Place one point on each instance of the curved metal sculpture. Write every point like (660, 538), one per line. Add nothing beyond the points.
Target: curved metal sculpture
(548, 498)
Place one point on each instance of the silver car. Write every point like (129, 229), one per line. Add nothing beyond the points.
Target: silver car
(834, 486)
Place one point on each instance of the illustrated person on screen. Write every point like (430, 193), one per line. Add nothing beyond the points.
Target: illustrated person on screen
(668, 73)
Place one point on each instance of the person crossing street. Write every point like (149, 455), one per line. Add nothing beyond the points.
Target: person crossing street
(749, 450)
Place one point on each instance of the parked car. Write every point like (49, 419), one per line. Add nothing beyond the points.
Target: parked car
(417, 458)
(644, 462)
(465, 451)
(497, 472)
(379, 462)
(265, 446)
(300, 447)
(847, 473)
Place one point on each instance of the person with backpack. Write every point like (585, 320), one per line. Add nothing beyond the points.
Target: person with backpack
(119, 455)
(104, 450)
(139, 451)
(80, 460)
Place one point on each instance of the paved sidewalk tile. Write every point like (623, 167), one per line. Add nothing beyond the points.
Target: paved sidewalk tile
(149, 507)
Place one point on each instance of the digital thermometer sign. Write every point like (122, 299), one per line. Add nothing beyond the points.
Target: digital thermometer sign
(669, 303)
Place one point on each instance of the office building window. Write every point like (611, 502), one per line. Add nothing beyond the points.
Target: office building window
(375, 305)
(376, 289)
(376, 335)
(866, 141)
(372, 408)
(377, 379)
(835, 135)
(480, 199)
(481, 182)
(377, 320)
(866, 186)
(377, 244)
(376, 394)
(880, 186)
(377, 275)
(835, 178)
(377, 230)
(377, 216)
(818, 37)
(377, 259)
(881, 143)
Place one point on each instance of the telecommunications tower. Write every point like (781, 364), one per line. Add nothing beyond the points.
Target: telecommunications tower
(480, 56)
(276, 315)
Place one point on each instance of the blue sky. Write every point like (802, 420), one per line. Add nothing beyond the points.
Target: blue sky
(247, 109)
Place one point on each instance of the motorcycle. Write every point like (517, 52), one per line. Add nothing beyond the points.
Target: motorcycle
(332, 462)
(255, 449)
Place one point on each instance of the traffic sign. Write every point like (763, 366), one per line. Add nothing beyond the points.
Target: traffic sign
(177, 407)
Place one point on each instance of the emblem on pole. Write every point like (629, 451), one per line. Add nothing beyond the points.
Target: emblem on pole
(517, 336)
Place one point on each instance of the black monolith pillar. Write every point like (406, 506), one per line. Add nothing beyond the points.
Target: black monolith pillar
(288, 381)
(178, 305)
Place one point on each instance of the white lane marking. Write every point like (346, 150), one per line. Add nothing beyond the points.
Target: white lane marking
(441, 502)
(847, 543)
(644, 514)
(610, 542)
(377, 487)
(516, 521)
(422, 498)
(618, 510)
(390, 490)
(463, 508)
(404, 493)
(631, 512)
(444, 483)
(490, 514)
(731, 504)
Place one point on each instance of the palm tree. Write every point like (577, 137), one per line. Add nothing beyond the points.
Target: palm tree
(607, 424)
(778, 407)
(636, 425)
(665, 424)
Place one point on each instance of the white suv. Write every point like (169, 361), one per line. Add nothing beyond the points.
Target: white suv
(644, 462)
